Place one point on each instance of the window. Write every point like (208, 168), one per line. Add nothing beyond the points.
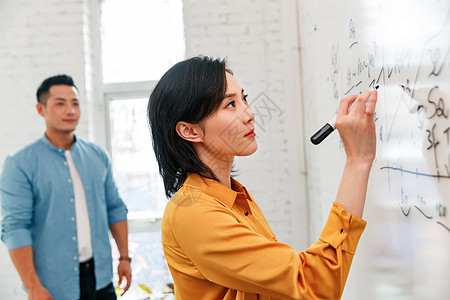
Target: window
(135, 166)
(140, 40)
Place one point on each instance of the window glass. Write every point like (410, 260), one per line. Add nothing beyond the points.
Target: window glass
(141, 39)
(140, 186)
(134, 163)
(149, 268)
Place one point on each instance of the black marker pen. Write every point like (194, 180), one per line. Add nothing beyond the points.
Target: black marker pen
(328, 128)
(323, 132)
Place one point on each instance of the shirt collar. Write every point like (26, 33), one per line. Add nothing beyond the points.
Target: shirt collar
(46, 142)
(217, 190)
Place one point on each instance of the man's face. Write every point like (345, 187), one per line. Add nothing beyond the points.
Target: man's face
(61, 110)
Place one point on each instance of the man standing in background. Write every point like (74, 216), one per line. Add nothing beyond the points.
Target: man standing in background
(59, 200)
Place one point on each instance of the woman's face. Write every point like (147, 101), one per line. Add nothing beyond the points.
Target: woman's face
(229, 131)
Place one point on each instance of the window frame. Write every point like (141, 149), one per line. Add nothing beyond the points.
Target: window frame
(137, 223)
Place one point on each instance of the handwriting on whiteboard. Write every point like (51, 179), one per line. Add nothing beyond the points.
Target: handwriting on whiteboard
(415, 87)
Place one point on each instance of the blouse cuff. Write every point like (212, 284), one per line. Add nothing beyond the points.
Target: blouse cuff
(342, 229)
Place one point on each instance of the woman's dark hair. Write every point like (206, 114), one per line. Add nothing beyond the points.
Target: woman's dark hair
(189, 91)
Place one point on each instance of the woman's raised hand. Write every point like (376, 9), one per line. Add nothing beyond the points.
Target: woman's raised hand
(356, 126)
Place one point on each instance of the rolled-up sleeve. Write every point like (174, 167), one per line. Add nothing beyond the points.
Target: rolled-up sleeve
(17, 205)
(342, 229)
(233, 255)
(329, 259)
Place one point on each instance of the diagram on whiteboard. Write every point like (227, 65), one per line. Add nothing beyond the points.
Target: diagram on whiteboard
(404, 48)
(414, 101)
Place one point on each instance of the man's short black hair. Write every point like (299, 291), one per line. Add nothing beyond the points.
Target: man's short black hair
(43, 90)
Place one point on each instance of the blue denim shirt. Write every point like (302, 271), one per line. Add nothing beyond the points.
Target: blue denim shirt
(38, 210)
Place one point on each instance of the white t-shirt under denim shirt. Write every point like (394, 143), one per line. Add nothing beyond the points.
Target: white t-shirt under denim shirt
(81, 211)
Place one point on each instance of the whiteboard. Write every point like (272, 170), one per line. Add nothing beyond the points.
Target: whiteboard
(404, 47)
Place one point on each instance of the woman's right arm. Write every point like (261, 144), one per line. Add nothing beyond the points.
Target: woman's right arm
(357, 130)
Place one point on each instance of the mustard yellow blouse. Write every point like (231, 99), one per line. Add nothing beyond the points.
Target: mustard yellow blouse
(218, 245)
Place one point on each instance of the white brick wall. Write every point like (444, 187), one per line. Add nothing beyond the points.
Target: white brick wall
(259, 38)
(42, 38)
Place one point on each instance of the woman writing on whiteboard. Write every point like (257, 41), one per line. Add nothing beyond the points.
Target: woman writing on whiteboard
(217, 243)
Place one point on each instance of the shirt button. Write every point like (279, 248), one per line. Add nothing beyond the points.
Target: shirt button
(71, 200)
(342, 230)
(75, 258)
(76, 269)
(74, 238)
(70, 180)
(73, 218)
(246, 213)
(65, 163)
(60, 150)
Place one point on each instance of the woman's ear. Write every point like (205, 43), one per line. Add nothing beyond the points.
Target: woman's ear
(189, 132)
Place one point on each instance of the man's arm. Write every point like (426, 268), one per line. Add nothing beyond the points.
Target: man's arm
(22, 259)
(119, 231)
(17, 207)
